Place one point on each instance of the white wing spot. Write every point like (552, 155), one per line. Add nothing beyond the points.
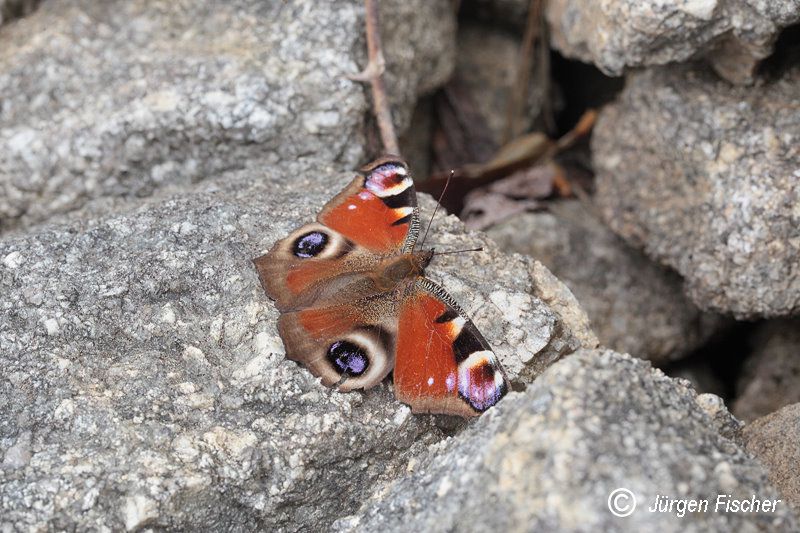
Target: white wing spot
(379, 189)
(430, 381)
(456, 325)
(351, 207)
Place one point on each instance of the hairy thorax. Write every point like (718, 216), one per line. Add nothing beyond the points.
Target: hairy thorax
(397, 269)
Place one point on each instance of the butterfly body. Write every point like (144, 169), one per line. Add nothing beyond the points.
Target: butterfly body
(355, 304)
(395, 271)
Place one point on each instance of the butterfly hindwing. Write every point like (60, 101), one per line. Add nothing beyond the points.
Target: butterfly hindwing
(443, 364)
(349, 344)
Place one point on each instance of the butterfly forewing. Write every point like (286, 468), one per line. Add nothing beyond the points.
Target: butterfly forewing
(443, 363)
(378, 210)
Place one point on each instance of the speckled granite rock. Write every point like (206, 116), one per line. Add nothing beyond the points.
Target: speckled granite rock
(547, 460)
(415, 143)
(119, 98)
(771, 375)
(733, 35)
(706, 177)
(530, 318)
(145, 384)
(634, 305)
(773, 441)
(560, 299)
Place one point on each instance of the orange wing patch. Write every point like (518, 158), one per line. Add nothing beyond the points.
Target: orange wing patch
(377, 210)
(307, 274)
(365, 219)
(327, 322)
(424, 365)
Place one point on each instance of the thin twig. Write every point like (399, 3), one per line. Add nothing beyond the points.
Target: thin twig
(548, 116)
(516, 104)
(373, 74)
(581, 129)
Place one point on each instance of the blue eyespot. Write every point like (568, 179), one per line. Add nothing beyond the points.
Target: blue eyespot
(310, 245)
(348, 358)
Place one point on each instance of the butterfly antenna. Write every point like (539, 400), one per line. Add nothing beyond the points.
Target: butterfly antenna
(438, 204)
(479, 249)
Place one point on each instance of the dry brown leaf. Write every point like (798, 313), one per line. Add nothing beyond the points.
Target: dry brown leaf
(483, 209)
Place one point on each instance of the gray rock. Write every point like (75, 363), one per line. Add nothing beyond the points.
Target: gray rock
(529, 316)
(634, 305)
(145, 383)
(116, 99)
(728, 425)
(561, 300)
(419, 41)
(773, 441)
(771, 375)
(704, 176)
(733, 35)
(547, 460)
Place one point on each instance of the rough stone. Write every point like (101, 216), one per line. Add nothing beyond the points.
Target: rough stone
(733, 35)
(771, 375)
(532, 317)
(634, 305)
(555, 294)
(116, 99)
(704, 176)
(773, 441)
(547, 460)
(145, 384)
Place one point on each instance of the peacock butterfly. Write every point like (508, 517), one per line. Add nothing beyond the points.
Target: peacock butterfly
(355, 304)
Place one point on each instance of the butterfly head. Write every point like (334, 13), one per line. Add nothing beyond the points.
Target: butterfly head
(422, 259)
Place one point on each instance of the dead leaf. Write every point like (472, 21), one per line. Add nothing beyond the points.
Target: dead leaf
(532, 183)
(521, 153)
(483, 209)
